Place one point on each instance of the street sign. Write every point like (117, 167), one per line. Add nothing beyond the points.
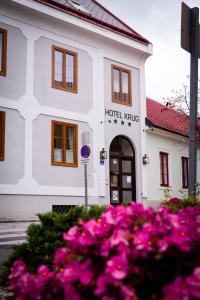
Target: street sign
(85, 154)
(85, 151)
(186, 29)
(190, 41)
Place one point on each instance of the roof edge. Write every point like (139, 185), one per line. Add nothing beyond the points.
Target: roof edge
(112, 14)
(87, 17)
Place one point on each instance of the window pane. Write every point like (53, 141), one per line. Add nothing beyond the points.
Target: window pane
(114, 180)
(185, 172)
(58, 67)
(164, 169)
(70, 71)
(58, 143)
(126, 181)
(126, 166)
(1, 50)
(125, 82)
(114, 165)
(127, 197)
(70, 145)
(116, 84)
(115, 196)
(126, 148)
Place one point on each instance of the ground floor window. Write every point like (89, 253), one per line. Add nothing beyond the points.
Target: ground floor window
(184, 161)
(164, 169)
(2, 134)
(64, 147)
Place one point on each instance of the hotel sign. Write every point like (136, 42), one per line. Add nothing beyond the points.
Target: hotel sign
(118, 117)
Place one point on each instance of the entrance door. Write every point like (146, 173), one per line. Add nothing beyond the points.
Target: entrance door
(122, 171)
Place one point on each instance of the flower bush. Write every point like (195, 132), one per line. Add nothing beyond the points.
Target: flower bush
(129, 253)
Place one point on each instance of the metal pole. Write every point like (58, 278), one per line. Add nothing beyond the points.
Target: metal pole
(194, 43)
(86, 187)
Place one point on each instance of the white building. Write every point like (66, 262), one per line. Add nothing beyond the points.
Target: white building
(71, 74)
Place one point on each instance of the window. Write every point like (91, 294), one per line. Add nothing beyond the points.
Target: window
(3, 51)
(184, 172)
(64, 144)
(64, 69)
(77, 5)
(164, 170)
(2, 134)
(121, 85)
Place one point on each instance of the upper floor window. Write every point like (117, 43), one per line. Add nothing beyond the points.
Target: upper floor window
(121, 85)
(164, 169)
(64, 70)
(64, 144)
(184, 172)
(2, 134)
(3, 51)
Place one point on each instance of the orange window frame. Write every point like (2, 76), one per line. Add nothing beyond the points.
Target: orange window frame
(75, 148)
(121, 101)
(63, 85)
(2, 134)
(4, 52)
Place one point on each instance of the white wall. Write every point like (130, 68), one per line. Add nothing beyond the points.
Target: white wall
(176, 146)
(37, 23)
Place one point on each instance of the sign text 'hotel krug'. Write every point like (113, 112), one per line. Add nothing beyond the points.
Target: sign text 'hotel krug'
(121, 118)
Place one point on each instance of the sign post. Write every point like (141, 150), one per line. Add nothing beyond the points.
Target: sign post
(190, 41)
(85, 153)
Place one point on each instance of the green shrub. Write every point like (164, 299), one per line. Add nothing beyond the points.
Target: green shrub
(44, 238)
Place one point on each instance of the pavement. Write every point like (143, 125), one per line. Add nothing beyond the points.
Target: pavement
(12, 233)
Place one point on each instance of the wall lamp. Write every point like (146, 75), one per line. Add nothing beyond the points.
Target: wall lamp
(145, 160)
(103, 154)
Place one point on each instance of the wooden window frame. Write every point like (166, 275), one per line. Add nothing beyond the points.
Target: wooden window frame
(4, 52)
(63, 86)
(2, 142)
(121, 101)
(184, 180)
(64, 163)
(162, 181)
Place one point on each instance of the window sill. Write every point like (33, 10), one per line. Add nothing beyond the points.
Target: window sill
(165, 187)
(62, 88)
(74, 165)
(122, 103)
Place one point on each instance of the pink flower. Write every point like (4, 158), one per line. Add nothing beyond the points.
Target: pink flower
(72, 234)
(176, 291)
(175, 200)
(103, 281)
(117, 266)
(193, 283)
(128, 293)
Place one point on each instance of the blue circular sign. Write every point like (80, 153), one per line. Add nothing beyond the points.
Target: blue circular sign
(85, 151)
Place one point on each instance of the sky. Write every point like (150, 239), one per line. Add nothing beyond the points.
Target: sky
(160, 22)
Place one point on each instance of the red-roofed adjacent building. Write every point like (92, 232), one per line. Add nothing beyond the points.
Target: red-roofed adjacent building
(168, 147)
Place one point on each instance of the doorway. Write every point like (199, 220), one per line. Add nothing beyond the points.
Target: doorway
(122, 171)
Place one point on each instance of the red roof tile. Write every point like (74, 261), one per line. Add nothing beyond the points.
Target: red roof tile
(160, 116)
(98, 15)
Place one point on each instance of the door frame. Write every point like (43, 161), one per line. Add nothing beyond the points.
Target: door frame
(122, 157)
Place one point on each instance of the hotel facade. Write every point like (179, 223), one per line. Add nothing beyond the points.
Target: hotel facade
(73, 74)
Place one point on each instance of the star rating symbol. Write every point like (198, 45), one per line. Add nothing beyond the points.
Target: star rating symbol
(122, 122)
(129, 124)
(115, 121)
